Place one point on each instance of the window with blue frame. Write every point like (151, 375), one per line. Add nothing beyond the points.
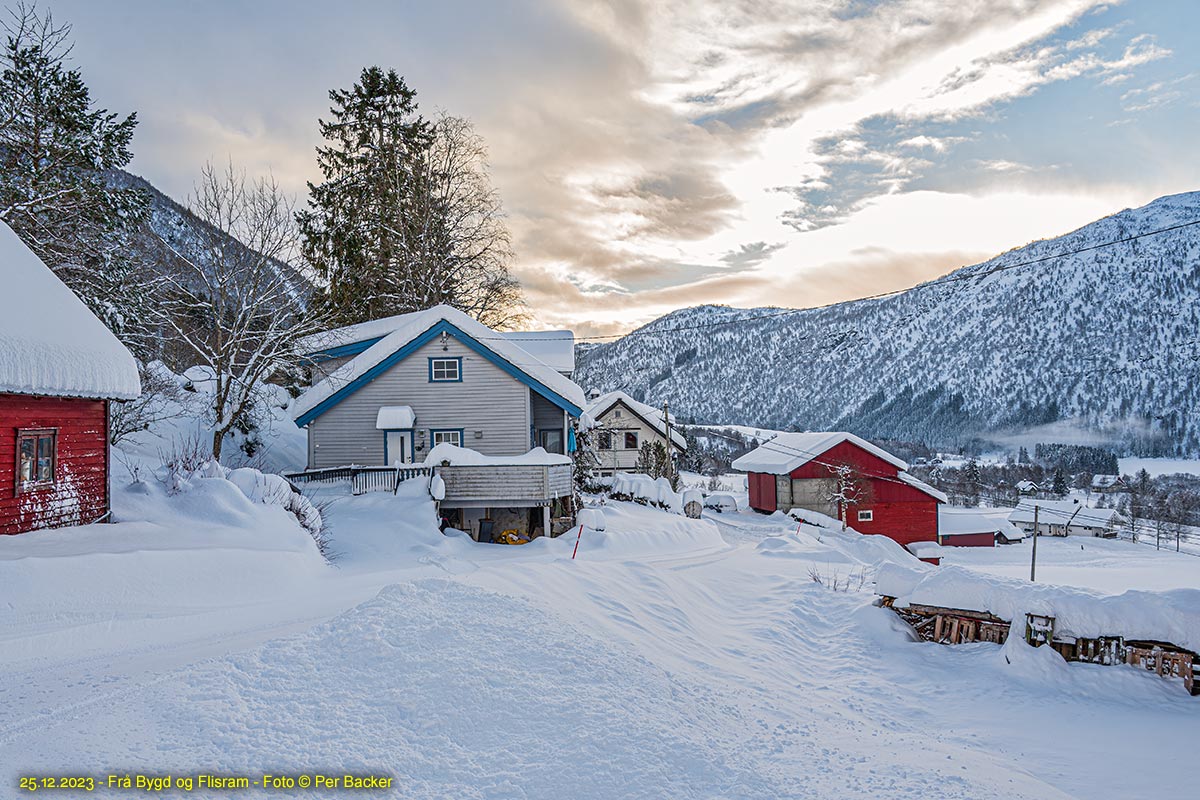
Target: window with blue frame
(454, 437)
(445, 370)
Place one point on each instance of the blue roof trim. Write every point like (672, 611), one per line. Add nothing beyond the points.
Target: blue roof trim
(415, 344)
(351, 349)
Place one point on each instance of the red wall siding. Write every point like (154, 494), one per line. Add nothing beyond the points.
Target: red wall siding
(762, 491)
(80, 493)
(905, 522)
(970, 540)
(901, 512)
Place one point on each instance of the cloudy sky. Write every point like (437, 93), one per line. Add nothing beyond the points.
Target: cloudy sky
(657, 154)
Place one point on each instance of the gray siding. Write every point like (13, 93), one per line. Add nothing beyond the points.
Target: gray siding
(488, 400)
(545, 413)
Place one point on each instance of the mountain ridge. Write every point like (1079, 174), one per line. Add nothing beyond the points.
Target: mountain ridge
(1099, 345)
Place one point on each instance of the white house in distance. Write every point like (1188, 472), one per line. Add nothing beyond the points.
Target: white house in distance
(1065, 518)
(624, 425)
(389, 391)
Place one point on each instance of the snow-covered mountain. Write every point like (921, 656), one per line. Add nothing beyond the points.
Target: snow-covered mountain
(1102, 344)
(171, 228)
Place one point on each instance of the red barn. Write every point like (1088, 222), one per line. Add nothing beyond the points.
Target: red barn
(814, 471)
(59, 369)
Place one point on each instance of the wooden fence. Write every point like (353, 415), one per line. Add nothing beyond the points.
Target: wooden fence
(961, 626)
(361, 479)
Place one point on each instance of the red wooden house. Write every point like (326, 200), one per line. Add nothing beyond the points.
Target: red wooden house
(803, 470)
(59, 369)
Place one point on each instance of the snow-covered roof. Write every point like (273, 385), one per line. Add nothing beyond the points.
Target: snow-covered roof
(790, 451)
(960, 521)
(922, 486)
(1105, 481)
(555, 348)
(50, 342)
(343, 379)
(1057, 512)
(395, 418)
(457, 456)
(651, 415)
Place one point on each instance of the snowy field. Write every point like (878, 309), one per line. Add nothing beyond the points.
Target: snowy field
(1109, 566)
(673, 658)
(1160, 466)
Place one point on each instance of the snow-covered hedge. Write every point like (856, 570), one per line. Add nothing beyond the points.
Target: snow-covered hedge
(259, 487)
(647, 491)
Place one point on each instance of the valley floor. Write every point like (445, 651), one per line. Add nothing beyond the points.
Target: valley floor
(672, 659)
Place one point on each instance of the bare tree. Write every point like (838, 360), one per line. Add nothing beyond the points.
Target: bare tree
(847, 487)
(159, 401)
(459, 244)
(236, 309)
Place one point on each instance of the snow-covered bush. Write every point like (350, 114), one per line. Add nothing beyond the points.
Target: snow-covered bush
(258, 487)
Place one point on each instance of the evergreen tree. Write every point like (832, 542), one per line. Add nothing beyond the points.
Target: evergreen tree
(55, 150)
(1059, 487)
(405, 217)
(652, 460)
(351, 231)
(971, 482)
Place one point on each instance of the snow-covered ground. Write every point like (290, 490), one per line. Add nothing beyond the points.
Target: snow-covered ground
(1160, 466)
(672, 658)
(1110, 566)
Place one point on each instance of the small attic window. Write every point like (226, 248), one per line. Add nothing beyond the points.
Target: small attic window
(617, 413)
(445, 370)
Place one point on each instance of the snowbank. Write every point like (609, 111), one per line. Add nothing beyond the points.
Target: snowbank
(173, 566)
(632, 531)
(52, 343)
(452, 455)
(1172, 616)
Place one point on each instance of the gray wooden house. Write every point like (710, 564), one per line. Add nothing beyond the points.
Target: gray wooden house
(386, 392)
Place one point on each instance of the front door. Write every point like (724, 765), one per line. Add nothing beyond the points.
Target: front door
(398, 447)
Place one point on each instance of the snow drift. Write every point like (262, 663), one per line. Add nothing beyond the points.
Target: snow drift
(1172, 616)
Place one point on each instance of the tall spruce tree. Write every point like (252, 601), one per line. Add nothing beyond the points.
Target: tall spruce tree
(353, 232)
(404, 218)
(55, 150)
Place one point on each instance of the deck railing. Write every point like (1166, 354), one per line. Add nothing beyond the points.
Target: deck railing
(361, 479)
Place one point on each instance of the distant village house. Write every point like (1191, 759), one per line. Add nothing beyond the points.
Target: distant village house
(624, 425)
(1064, 518)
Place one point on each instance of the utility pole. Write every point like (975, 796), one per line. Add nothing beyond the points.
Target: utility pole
(1033, 561)
(670, 451)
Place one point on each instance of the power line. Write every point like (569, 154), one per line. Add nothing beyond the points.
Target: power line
(955, 277)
